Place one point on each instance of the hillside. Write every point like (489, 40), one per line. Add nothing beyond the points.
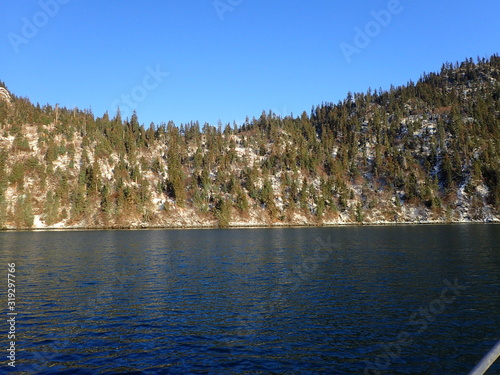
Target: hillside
(424, 152)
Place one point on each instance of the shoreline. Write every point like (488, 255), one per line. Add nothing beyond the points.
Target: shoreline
(240, 226)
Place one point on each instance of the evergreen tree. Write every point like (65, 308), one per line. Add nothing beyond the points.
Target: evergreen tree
(223, 212)
(24, 217)
(267, 198)
(17, 176)
(176, 187)
(3, 209)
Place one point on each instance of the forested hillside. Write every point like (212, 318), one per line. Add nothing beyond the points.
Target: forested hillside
(424, 152)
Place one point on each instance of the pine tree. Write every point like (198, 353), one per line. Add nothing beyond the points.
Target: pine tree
(17, 176)
(3, 208)
(3, 171)
(267, 198)
(51, 209)
(241, 200)
(175, 182)
(78, 202)
(304, 195)
(24, 217)
(447, 174)
(223, 211)
(359, 213)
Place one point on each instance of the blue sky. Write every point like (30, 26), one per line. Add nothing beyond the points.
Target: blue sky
(211, 60)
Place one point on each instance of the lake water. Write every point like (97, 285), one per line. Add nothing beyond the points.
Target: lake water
(347, 300)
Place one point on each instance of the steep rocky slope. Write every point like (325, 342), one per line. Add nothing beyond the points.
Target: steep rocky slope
(424, 152)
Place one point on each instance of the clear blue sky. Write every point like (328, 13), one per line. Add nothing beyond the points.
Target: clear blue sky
(233, 62)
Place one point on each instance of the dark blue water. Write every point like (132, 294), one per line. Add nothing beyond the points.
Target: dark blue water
(353, 300)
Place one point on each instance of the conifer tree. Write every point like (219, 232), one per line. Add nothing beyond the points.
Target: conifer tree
(175, 183)
(223, 211)
(3, 208)
(24, 217)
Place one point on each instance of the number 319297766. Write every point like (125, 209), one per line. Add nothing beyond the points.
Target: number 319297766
(11, 292)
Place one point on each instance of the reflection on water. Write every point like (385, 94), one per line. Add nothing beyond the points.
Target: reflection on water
(309, 300)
